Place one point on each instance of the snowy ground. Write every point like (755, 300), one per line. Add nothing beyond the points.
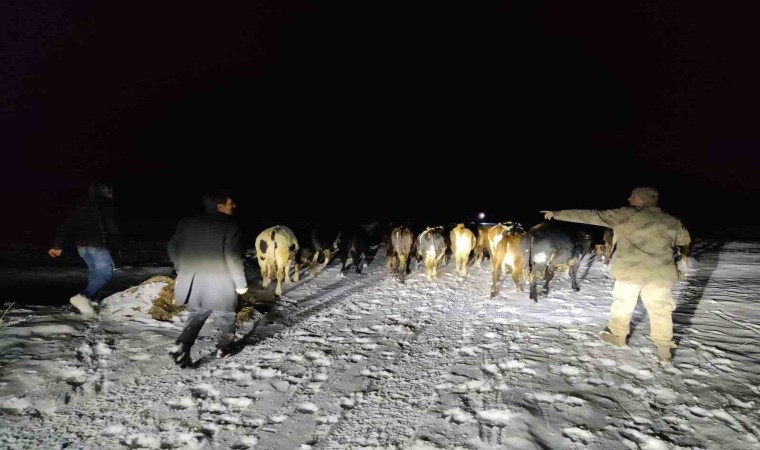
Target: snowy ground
(362, 361)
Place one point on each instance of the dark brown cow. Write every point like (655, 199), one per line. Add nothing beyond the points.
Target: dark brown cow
(401, 241)
(481, 244)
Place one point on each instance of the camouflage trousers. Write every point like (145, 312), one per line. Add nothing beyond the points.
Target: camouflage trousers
(658, 300)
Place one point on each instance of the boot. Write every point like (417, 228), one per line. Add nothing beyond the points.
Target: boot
(225, 346)
(180, 353)
(612, 339)
(82, 304)
(664, 355)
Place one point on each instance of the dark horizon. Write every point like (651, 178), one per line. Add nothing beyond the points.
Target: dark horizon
(420, 112)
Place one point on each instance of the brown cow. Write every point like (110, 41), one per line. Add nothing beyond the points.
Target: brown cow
(462, 244)
(401, 241)
(605, 250)
(481, 244)
(504, 243)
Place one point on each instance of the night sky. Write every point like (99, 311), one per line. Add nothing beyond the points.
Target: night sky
(545, 105)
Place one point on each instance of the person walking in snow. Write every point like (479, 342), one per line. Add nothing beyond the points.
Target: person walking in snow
(92, 226)
(207, 253)
(642, 265)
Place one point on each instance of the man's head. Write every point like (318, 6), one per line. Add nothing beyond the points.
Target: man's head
(101, 189)
(644, 196)
(218, 202)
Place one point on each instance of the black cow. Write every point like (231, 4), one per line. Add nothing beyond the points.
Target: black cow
(356, 243)
(546, 247)
(318, 246)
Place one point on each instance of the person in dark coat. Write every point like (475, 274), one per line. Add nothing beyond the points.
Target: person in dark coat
(207, 252)
(92, 226)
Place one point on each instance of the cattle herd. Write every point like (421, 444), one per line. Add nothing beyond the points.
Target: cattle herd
(531, 255)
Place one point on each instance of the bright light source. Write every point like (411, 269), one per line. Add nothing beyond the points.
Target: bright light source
(482, 216)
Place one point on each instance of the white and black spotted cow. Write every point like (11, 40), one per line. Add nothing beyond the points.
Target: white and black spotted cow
(275, 249)
(431, 248)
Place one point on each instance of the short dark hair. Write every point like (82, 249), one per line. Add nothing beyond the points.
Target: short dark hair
(101, 188)
(212, 199)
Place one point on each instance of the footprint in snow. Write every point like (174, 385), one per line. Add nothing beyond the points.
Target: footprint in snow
(352, 400)
(308, 407)
(457, 415)
(237, 402)
(181, 403)
(576, 434)
(204, 391)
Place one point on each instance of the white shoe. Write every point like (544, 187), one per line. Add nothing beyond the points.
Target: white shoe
(82, 303)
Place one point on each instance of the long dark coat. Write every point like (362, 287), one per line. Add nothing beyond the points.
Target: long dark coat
(207, 253)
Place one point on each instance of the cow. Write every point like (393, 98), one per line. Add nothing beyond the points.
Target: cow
(399, 250)
(354, 243)
(605, 250)
(547, 247)
(462, 244)
(431, 248)
(481, 244)
(275, 248)
(504, 241)
(318, 245)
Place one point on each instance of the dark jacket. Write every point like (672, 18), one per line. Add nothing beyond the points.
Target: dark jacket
(207, 252)
(92, 223)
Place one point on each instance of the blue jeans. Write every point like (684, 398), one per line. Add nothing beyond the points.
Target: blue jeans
(100, 268)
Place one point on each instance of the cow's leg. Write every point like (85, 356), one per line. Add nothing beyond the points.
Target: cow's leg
(494, 283)
(402, 267)
(313, 264)
(286, 266)
(266, 273)
(549, 275)
(517, 271)
(328, 257)
(296, 270)
(494, 264)
(536, 273)
(356, 258)
(437, 263)
(281, 270)
(573, 275)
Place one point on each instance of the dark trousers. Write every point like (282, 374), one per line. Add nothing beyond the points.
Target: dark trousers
(198, 318)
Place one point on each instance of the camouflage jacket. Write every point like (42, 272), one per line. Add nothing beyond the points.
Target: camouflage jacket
(646, 239)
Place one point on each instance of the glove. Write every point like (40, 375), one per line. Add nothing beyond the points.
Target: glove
(242, 291)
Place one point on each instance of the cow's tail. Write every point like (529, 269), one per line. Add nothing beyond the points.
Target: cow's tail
(530, 254)
(272, 255)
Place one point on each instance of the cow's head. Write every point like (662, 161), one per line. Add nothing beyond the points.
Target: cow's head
(513, 227)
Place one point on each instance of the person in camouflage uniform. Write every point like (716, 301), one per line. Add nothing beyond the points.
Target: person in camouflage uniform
(643, 264)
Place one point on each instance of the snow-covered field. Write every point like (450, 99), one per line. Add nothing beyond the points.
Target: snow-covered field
(362, 361)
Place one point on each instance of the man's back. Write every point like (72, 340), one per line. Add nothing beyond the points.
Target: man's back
(203, 240)
(646, 238)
